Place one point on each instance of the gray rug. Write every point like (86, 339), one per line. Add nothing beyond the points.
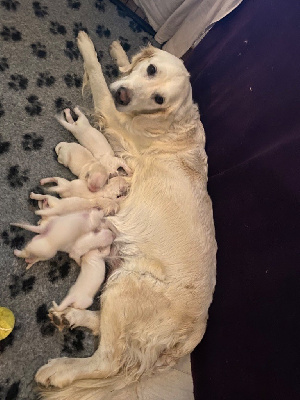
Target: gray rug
(40, 74)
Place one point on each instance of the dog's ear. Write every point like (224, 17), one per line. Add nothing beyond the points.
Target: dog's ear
(146, 52)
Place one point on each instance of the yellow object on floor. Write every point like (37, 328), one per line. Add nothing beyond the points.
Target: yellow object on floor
(7, 322)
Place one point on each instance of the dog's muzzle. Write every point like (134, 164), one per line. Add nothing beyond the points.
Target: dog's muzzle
(123, 96)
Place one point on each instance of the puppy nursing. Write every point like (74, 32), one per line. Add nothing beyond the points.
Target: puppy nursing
(154, 306)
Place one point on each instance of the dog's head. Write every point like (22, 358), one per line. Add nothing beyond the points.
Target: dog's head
(155, 82)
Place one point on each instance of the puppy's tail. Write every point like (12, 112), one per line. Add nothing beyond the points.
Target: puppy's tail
(173, 384)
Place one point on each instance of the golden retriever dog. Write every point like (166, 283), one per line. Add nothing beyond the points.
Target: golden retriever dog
(154, 307)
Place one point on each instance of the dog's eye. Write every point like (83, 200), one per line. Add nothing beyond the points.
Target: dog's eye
(151, 70)
(158, 99)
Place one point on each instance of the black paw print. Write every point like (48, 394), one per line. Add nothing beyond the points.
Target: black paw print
(3, 64)
(61, 104)
(13, 238)
(59, 268)
(16, 177)
(73, 341)
(121, 12)
(102, 31)
(10, 5)
(111, 71)
(100, 55)
(39, 10)
(71, 50)
(74, 4)
(124, 43)
(2, 112)
(78, 27)
(73, 80)
(18, 82)
(20, 285)
(56, 28)
(45, 79)
(13, 391)
(135, 27)
(4, 146)
(100, 5)
(42, 318)
(39, 50)
(34, 107)
(10, 33)
(31, 141)
(145, 40)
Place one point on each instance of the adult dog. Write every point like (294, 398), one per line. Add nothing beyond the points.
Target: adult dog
(154, 307)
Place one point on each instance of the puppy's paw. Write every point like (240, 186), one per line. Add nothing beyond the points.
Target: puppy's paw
(56, 373)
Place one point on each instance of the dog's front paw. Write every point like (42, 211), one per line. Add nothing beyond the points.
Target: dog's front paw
(86, 47)
(56, 373)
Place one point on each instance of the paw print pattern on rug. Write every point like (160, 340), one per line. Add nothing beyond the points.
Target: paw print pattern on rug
(18, 82)
(135, 27)
(146, 40)
(39, 50)
(121, 12)
(3, 64)
(72, 80)
(10, 5)
(61, 104)
(111, 71)
(31, 141)
(74, 4)
(71, 50)
(20, 285)
(11, 392)
(60, 267)
(46, 327)
(17, 178)
(13, 238)
(34, 107)
(124, 43)
(57, 28)
(39, 10)
(100, 55)
(79, 27)
(102, 31)
(4, 146)
(73, 341)
(100, 5)
(2, 112)
(10, 33)
(45, 79)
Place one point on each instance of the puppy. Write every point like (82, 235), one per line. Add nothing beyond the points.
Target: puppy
(58, 234)
(154, 307)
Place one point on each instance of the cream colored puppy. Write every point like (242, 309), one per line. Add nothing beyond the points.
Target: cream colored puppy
(116, 187)
(58, 234)
(154, 307)
(98, 146)
(82, 164)
(91, 276)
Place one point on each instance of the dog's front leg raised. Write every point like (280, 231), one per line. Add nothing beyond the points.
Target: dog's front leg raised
(103, 101)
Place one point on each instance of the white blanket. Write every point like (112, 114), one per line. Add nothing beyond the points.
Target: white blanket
(180, 23)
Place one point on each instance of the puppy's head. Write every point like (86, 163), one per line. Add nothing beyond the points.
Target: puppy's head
(96, 177)
(155, 82)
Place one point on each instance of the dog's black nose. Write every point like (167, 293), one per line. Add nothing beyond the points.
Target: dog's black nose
(122, 96)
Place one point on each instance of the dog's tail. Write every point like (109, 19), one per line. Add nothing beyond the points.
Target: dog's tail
(28, 227)
(173, 384)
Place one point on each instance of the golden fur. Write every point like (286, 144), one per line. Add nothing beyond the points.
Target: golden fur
(154, 308)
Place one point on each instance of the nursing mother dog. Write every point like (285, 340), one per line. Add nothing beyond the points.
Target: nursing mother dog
(154, 307)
